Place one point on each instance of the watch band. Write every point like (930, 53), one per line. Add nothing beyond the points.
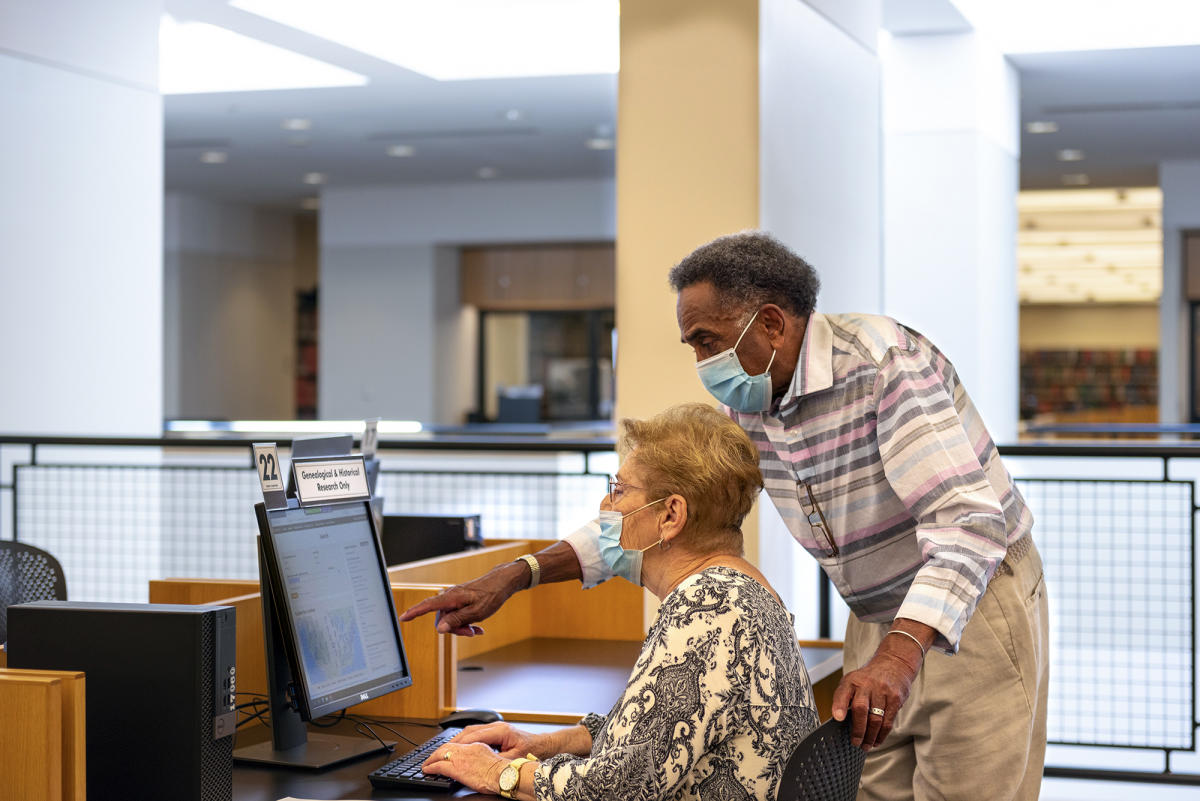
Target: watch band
(535, 570)
(515, 765)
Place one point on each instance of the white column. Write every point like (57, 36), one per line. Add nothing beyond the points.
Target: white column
(1180, 183)
(951, 120)
(819, 143)
(80, 217)
(229, 280)
(819, 154)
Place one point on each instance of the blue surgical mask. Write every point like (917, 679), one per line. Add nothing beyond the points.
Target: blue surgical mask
(622, 561)
(725, 378)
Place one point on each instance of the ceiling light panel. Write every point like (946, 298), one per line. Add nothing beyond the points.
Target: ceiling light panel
(1090, 246)
(464, 39)
(1046, 26)
(196, 57)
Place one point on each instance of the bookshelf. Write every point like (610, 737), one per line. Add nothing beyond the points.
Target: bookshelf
(1058, 381)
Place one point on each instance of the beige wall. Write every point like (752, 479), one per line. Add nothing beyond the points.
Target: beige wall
(1074, 326)
(687, 171)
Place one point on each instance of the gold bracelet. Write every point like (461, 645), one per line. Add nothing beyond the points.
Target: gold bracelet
(909, 636)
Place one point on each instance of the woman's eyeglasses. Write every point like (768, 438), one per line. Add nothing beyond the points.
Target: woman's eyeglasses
(617, 488)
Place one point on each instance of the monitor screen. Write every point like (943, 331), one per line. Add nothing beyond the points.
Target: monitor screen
(333, 605)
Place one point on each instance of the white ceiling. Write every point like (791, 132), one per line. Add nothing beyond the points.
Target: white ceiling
(455, 128)
(1126, 109)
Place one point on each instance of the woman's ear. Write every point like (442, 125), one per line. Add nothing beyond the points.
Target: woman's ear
(673, 519)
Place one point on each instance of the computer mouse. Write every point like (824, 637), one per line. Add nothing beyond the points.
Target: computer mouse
(469, 717)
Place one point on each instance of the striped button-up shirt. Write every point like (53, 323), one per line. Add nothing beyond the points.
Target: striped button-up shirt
(882, 469)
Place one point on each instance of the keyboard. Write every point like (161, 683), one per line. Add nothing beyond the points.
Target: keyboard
(404, 773)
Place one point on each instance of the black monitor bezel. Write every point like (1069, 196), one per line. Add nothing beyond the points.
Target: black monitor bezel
(285, 624)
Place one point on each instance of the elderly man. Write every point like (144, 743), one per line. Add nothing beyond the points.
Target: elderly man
(882, 469)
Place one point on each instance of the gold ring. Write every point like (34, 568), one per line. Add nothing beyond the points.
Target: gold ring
(447, 756)
(874, 711)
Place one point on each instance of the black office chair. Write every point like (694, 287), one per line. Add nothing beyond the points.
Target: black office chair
(824, 767)
(27, 574)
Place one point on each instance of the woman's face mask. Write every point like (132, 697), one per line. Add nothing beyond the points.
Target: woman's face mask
(624, 562)
(727, 381)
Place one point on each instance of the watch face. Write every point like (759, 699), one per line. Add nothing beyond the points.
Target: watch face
(509, 778)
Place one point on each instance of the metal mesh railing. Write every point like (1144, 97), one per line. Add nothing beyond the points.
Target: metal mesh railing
(1119, 567)
(116, 527)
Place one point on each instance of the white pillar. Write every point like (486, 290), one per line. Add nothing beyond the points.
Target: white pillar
(819, 143)
(819, 173)
(80, 217)
(1180, 183)
(951, 149)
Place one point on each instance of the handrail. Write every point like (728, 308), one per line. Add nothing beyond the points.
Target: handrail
(450, 442)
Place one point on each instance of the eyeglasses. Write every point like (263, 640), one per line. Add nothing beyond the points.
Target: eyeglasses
(816, 518)
(617, 488)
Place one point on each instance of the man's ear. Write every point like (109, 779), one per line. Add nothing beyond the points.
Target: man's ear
(776, 321)
(674, 518)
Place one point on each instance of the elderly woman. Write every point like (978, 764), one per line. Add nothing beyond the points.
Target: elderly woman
(719, 696)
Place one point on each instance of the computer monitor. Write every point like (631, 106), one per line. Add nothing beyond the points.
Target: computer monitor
(332, 634)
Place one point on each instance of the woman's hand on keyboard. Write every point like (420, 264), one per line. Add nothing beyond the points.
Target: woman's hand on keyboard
(508, 740)
(475, 765)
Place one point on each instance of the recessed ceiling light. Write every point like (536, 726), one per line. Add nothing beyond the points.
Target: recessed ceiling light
(1076, 179)
(513, 114)
(1041, 127)
(1070, 154)
(214, 157)
(310, 203)
(400, 151)
(296, 124)
(599, 143)
(314, 177)
(487, 173)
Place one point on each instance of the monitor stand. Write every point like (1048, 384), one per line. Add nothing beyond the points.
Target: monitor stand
(291, 744)
(317, 751)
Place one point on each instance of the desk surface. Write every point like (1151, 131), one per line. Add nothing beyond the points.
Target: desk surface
(348, 780)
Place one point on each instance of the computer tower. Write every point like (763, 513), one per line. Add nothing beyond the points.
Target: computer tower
(160, 682)
(408, 538)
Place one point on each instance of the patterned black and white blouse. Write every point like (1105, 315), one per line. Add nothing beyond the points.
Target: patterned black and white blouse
(717, 702)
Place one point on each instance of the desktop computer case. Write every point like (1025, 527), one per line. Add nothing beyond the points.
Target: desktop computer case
(159, 681)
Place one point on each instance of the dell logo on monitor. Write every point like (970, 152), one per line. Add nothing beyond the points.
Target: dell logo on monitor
(363, 696)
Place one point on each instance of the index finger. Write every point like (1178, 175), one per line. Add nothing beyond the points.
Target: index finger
(842, 697)
(438, 603)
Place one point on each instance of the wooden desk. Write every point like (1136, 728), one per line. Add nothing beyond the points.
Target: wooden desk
(548, 680)
(348, 780)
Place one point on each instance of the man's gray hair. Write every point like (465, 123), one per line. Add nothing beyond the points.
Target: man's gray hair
(749, 269)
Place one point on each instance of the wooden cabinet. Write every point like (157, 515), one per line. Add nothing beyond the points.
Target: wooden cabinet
(537, 277)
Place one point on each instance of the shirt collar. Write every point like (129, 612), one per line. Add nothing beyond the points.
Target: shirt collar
(814, 368)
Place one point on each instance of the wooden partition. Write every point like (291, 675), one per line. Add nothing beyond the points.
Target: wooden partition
(43, 735)
(609, 612)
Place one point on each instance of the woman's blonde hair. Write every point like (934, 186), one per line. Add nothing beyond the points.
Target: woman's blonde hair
(695, 451)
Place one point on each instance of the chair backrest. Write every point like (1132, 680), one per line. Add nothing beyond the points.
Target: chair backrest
(824, 767)
(27, 574)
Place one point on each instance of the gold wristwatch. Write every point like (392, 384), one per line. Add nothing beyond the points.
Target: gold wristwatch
(535, 570)
(510, 777)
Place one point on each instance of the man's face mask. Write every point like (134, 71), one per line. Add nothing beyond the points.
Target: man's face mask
(725, 378)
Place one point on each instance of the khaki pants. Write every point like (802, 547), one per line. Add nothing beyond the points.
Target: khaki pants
(974, 726)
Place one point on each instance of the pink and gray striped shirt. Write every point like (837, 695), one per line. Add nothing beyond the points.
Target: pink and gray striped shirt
(882, 469)
(913, 509)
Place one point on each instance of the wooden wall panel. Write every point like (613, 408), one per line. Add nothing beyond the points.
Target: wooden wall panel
(532, 277)
(31, 738)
